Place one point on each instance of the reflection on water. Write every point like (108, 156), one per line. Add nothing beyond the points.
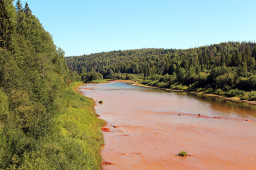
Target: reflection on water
(158, 100)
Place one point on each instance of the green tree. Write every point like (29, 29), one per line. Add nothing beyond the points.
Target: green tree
(18, 7)
(27, 9)
(4, 105)
(181, 74)
(7, 24)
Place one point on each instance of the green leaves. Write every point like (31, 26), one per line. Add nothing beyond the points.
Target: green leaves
(88, 77)
(4, 105)
(33, 78)
(216, 67)
(7, 23)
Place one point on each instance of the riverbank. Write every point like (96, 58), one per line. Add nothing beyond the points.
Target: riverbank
(80, 126)
(136, 83)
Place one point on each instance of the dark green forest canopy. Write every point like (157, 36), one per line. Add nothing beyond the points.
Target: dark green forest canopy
(219, 68)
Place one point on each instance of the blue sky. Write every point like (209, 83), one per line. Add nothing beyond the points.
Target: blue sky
(89, 26)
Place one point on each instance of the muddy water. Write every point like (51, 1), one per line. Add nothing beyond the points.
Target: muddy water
(146, 129)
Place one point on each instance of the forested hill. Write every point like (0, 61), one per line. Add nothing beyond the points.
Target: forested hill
(35, 103)
(226, 68)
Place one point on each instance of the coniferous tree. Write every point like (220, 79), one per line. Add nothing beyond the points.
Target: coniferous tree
(18, 7)
(27, 9)
(7, 23)
(226, 65)
(33, 77)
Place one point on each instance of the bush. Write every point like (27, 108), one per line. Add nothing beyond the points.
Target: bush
(100, 102)
(129, 77)
(243, 83)
(88, 77)
(152, 83)
(233, 93)
(252, 95)
(252, 82)
(219, 92)
(161, 84)
(226, 79)
(145, 82)
(245, 96)
(182, 153)
(178, 87)
(165, 78)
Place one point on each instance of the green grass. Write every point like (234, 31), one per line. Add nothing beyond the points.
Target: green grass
(81, 126)
(74, 139)
(182, 153)
(101, 81)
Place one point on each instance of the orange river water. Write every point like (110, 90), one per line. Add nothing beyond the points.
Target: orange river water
(146, 129)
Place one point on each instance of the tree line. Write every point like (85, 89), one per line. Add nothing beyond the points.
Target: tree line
(226, 69)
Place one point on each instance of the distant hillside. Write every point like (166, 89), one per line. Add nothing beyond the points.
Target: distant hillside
(226, 68)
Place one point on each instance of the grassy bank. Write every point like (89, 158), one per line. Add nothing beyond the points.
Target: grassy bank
(73, 141)
(233, 94)
(80, 125)
(101, 81)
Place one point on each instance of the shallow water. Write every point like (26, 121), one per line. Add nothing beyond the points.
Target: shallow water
(180, 102)
(152, 126)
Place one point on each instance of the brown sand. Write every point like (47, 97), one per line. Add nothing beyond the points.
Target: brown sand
(138, 137)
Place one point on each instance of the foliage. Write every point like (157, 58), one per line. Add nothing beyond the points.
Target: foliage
(225, 66)
(101, 81)
(4, 105)
(81, 130)
(182, 153)
(44, 124)
(89, 77)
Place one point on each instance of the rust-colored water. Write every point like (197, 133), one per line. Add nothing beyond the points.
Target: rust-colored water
(147, 128)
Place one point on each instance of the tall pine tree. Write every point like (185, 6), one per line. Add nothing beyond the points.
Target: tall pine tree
(7, 23)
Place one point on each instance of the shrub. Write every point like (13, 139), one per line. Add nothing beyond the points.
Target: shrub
(243, 83)
(245, 96)
(152, 83)
(219, 92)
(145, 82)
(82, 98)
(182, 153)
(252, 95)
(88, 77)
(162, 85)
(252, 82)
(226, 79)
(100, 102)
(233, 92)
(178, 87)
(249, 96)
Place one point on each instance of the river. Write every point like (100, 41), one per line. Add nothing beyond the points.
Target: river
(146, 129)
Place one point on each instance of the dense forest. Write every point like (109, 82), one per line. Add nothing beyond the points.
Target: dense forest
(227, 69)
(40, 114)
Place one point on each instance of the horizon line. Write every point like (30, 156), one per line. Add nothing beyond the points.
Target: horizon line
(207, 45)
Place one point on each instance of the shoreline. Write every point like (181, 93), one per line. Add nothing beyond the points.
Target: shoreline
(77, 89)
(136, 83)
